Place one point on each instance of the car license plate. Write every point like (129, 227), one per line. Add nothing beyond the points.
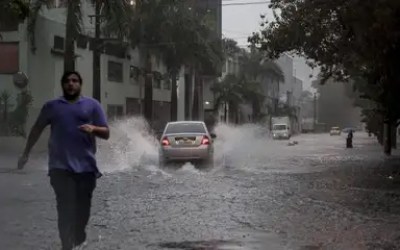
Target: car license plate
(188, 142)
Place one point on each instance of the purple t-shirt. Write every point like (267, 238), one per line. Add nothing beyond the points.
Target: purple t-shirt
(69, 147)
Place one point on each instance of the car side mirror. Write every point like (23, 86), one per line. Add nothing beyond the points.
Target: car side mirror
(213, 136)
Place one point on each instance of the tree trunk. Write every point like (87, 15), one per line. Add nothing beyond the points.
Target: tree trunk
(70, 35)
(148, 90)
(387, 137)
(256, 110)
(394, 136)
(96, 56)
(174, 97)
(225, 111)
(196, 97)
(237, 115)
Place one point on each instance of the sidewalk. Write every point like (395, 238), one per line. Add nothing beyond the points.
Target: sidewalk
(9, 160)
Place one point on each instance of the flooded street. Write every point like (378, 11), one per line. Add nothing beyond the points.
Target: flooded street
(261, 194)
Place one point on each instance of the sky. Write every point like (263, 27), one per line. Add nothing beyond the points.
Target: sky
(239, 21)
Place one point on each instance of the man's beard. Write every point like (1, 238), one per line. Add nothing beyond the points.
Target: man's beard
(72, 97)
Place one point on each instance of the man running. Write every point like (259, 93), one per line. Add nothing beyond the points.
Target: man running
(75, 122)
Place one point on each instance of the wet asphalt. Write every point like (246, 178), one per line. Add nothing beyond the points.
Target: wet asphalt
(261, 194)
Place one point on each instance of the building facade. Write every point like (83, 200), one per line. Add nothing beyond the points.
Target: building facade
(122, 89)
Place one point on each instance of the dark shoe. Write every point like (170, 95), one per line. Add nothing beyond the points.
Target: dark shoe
(80, 239)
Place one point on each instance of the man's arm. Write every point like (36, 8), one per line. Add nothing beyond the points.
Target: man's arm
(100, 126)
(42, 121)
(37, 129)
(33, 137)
(102, 132)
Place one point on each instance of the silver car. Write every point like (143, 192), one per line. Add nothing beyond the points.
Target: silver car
(186, 141)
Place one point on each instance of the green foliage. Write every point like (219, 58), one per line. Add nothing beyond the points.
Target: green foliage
(13, 11)
(20, 115)
(246, 86)
(5, 97)
(179, 35)
(14, 122)
(346, 38)
(230, 48)
(229, 90)
(116, 17)
(255, 66)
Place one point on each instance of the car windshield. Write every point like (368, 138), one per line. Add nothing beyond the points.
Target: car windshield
(185, 128)
(280, 127)
(335, 128)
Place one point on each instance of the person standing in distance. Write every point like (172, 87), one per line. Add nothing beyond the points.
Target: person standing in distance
(75, 123)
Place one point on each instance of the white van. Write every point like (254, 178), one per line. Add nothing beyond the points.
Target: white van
(281, 131)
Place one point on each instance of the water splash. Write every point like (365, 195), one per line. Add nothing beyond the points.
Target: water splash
(131, 144)
(240, 145)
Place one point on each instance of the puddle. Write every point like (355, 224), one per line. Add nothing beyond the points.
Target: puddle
(202, 245)
(255, 240)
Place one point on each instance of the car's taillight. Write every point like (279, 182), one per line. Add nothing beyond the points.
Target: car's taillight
(165, 141)
(205, 141)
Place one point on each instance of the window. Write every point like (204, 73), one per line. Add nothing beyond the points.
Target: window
(115, 71)
(82, 41)
(134, 74)
(133, 106)
(189, 127)
(279, 127)
(224, 67)
(58, 43)
(115, 111)
(156, 83)
(9, 54)
(167, 84)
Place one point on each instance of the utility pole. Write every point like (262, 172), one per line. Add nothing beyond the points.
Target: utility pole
(96, 54)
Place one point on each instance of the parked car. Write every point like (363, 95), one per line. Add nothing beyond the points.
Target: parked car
(335, 131)
(186, 141)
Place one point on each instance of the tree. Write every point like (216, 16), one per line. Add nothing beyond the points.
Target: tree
(230, 47)
(115, 13)
(346, 38)
(255, 68)
(191, 42)
(228, 91)
(177, 36)
(13, 11)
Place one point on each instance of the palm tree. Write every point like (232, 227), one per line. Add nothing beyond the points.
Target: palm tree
(166, 29)
(255, 68)
(115, 13)
(229, 92)
(146, 33)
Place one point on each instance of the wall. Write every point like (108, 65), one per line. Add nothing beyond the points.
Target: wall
(286, 64)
